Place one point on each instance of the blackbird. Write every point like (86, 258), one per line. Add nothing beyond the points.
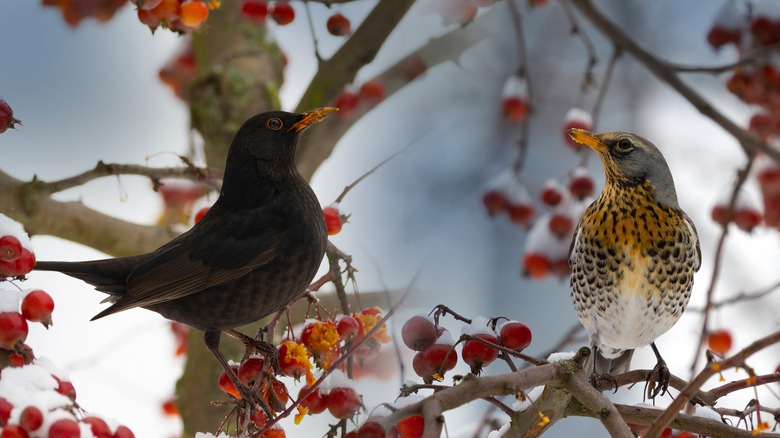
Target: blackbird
(254, 252)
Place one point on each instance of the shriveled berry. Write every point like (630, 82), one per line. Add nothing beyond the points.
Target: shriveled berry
(418, 332)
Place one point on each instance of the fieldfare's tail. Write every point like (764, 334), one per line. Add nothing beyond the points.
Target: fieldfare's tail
(619, 364)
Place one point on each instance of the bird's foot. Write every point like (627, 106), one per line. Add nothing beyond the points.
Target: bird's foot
(251, 399)
(255, 346)
(658, 380)
(597, 378)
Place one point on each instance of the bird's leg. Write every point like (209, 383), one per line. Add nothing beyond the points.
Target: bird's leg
(267, 349)
(596, 377)
(212, 343)
(660, 376)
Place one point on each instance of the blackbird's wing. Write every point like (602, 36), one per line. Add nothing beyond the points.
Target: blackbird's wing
(217, 250)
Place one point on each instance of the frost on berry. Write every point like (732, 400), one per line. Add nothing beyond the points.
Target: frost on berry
(505, 193)
(514, 99)
(576, 118)
(546, 249)
(728, 26)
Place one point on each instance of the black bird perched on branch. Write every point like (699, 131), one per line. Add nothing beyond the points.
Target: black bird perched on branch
(254, 252)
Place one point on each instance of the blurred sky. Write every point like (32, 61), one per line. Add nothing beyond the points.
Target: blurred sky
(92, 93)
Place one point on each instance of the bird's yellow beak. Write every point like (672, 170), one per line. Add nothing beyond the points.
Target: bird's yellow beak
(312, 117)
(587, 138)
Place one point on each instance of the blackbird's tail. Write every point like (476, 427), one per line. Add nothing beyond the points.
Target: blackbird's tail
(108, 275)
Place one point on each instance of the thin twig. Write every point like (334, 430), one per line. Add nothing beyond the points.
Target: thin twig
(522, 52)
(739, 298)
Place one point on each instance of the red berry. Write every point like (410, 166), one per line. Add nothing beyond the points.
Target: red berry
(226, 385)
(719, 36)
(65, 388)
(515, 335)
(764, 30)
(282, 13)
(13, 330)
(521, 214)
(123, 432)
(410, 427)
(199, 215)
(338, 25)
(98, 426)
(342, 402)
(477, 355)
(581, 185)
(192, 13)
(21, 266)
(64, 428)
(721, 214)
(5, 411)
(166, 10)
(437, 359)
(37, 306)
(31, 418)
(254, 11)
(372, 91)
(551, 194)
(371, 429)
(560, 225)
(762, 125)
(720, 341)
(536, 266)
(333, 220)
(576, 118)
(515, 109)
(747, 219)
(686, 434)
(418, 332)
(314, 402)
(170, 408)
(7, 119)
(291, 364)
(249, 370)
(495, 202)
(10, 248)
(348, 327)
(14, 431)
(346, 102)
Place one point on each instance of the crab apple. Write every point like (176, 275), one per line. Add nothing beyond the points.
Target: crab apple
(747, 218)
(333, 221)
(348, 327)
(254, 11)
(338, 25)
(226, 385)
(7, 119)
(37, 306)
(123, 432)
(13, 330)
(495, 201)
(293, 359)
(560, 224)
(536, 265)
(10, 248)
(579, 119)
(342, 402)
(192, 13)
(249, 370)
(372, 91)
(5, 411)
(282, 13)
(98, 427)
(410, 427)
(419, 332)
(64, 428)
(478, 355)
(314, 402)
(521, 214)
(581, 184)
(720, 341)
(515, 335)
(371, 429)
(515, 109)
(346, 102)
(437, 359)
(31, 418)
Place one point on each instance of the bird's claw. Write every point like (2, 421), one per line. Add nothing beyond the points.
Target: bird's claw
(596, 378)
(658, 380)
(253, 399)
(266, 349)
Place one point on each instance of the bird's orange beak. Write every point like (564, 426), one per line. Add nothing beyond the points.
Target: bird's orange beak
(587, 138)
(312, 117)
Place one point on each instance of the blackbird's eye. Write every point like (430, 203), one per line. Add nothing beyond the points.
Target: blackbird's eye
(624, 145)
(274, 123)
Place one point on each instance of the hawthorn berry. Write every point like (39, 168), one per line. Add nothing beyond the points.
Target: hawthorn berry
(495, 202)
(66, 388)
(720, 341)
(21, 266)
(436, 360)
(410, 427)
(348, 327)
(521, 214)
(552, 193)
(515, 335)
(371, 429)
(314, 402)
(10, 248)
(13, 330)
(561, 225)
(250, 370)
(254, 11)
(7, 119)
(581, 184)
(64, 428)
(14, 431)
(226, 385)
(123, 432)
(477, 354)
(333, 221)
(515, 109)
(282, 13)
(536, 265)
(37, 306)
(31, 418)
(747, 218)
(338, 25)
(342, 402)
(372, 91)
(5, 411)
(98, 427)
(418, 333)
